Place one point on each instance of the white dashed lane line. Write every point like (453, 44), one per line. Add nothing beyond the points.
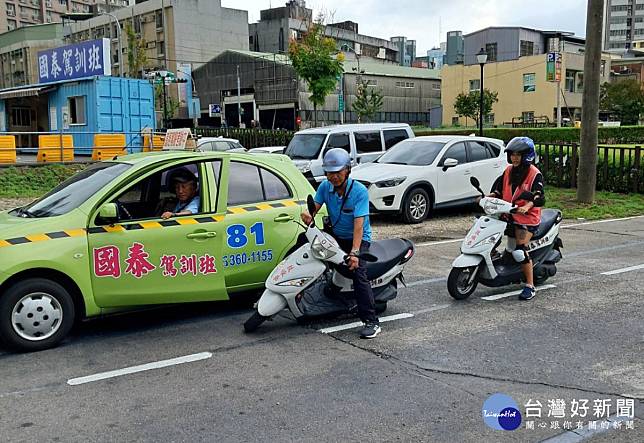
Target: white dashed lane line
(510, 294)
(357, 324)
(621, 271)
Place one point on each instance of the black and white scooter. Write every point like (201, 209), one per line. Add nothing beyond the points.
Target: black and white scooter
(314, 280)
(476, 265)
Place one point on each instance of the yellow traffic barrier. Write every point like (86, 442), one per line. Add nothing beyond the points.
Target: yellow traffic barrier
(7, 148)
(49, 149)
(157, 140)
(107, 146)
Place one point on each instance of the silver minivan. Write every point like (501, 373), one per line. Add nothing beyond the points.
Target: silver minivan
(364, 142)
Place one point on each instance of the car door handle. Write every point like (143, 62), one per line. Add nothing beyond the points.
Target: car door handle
(201, 235)
(467, 172)
(282, 218)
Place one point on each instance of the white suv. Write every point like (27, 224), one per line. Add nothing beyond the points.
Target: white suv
(429, 172)
(307, 148)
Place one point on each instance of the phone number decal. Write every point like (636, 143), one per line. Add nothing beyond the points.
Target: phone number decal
(244, 258)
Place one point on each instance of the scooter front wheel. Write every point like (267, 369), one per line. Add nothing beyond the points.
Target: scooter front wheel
(460, 283)
(254, 322)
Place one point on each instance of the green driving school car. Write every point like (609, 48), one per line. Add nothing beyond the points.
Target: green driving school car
(97, 243)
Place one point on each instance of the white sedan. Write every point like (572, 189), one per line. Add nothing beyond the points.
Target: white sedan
(219, 144)
(423, 173)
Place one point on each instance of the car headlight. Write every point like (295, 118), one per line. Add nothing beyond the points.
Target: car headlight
(491, 240)
(299, 282)
(305, 167)
(319, 250)
(390, 183)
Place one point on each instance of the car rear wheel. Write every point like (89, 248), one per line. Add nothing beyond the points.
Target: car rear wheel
(35, 314)
(416, 206)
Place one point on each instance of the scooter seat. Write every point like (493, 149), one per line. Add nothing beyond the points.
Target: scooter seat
(389, 253)
(549, 217)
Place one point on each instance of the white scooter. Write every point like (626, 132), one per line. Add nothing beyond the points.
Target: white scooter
(314, 280)
(476, 265)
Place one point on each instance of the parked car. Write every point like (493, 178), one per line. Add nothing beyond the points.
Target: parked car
(423, 173)
(97, 243)
(219, 144)
(268, 150)
(307, 147)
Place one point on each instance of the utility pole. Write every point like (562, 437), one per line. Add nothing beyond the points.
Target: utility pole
(587, 177)
(239, 99)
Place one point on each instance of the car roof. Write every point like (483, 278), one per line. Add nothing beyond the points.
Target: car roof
(354, 127)
(452, 138)
(146, 158)
(216, 139)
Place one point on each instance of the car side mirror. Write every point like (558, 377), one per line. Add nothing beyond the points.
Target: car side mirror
(108, 214)
(449, 163)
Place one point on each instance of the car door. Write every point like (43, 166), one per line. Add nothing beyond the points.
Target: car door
(259, 225)
(144, 259)
(485, 165)
(368, 142)
(454, 182)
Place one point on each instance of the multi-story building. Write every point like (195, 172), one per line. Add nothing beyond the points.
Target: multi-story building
(179, 35)
(277, 26)
(623, 24)
(18, 13)
(19, 52)
(406, 50)
(436, 57)
(454, 48)
(516, 69)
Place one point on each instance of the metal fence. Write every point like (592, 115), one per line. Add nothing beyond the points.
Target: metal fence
(250, 138)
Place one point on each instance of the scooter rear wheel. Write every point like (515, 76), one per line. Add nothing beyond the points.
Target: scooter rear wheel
(458, 282)
(254, 321)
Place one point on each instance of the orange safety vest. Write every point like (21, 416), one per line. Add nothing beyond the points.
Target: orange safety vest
(533, 217)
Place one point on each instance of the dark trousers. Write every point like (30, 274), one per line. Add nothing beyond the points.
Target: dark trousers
(361, 285)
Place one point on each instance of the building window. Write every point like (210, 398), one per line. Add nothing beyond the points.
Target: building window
(436, 86)
(491, 49)
(11, 25)
(159, 19)
(137, 24)
(527, 48)
(372, 82)
(281, 40)
(454, 121)
(529, 82)
(406, 85)
(77, 110)
(21, 117)
(475, 85)
(488, 119)
(11, 10)
(527, 116)
(160, 48)
(574, 80)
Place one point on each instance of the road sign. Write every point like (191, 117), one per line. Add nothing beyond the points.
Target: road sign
(176, 138)
(214, 110)
(553, 67)
(340, 103)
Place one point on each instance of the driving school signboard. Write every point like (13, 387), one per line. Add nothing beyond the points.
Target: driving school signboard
(85, 59)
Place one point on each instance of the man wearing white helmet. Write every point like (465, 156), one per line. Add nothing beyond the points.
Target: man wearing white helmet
(348, 204)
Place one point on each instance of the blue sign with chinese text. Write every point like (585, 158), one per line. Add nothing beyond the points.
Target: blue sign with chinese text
(79, 60)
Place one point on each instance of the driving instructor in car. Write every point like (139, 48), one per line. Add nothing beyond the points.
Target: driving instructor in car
(184, 184)
(348, 204)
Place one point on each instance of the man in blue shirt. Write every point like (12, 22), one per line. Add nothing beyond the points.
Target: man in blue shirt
(184, 184)
(348, 204)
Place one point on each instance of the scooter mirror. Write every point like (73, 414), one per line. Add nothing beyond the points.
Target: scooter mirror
(475, 182)
(310, 204)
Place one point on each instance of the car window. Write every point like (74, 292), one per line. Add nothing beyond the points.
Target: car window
(368, 142)
(244, 185)
(457, 152)
(274, 187)
(393, 136)
(216, 168)
(339, 141)
(412, 152)
(74, 191)
(493, 149)
(477, 151)
(305, 146)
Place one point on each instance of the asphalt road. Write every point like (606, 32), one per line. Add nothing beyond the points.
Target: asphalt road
(425, 378)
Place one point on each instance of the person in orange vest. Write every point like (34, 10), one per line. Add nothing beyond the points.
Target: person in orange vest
(522, 185)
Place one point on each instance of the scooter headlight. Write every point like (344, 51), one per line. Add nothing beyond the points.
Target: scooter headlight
(491, 240)
(299, 282)
(320, 249)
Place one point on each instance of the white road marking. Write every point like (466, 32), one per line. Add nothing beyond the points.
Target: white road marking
(357, 324)
(621, 271)
(423, 282)
(442, 242)
(510, 294)
(140, 368)
(432, 309)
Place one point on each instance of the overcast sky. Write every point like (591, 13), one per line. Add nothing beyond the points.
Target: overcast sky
(419, 19)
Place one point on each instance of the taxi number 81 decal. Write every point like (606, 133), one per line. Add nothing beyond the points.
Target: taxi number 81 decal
(244, 258)
(239, 236)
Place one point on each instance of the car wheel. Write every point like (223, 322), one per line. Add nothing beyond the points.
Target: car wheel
(35, 314)
(460, 284)
(416, 206)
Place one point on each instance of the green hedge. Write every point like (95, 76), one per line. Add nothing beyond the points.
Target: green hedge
(607, 135)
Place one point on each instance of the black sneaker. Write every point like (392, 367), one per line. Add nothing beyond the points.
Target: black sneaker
(370, 330)
(528, 293)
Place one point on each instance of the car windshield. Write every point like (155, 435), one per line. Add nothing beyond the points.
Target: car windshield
(74, 191)
(412, 152)
(305, 146)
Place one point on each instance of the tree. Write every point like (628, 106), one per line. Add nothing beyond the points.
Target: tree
(368, 102)
(624, 99)
(171, 105)
(314, 60)
(467, 105)
(137, 58)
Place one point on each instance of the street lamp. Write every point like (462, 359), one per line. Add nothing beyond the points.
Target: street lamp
(481, 58)
(118, 37)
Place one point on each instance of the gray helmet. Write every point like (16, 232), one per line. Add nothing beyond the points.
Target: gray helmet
(335, 160)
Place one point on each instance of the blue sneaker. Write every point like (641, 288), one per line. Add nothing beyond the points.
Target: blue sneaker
(528, 293)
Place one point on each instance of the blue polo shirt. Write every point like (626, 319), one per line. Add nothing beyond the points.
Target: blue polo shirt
(357, 205)
(192, 206)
